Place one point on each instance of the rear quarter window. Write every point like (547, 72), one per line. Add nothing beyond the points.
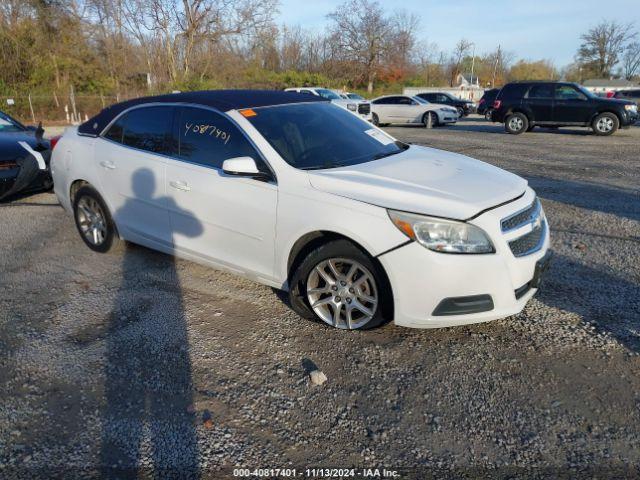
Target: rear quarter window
(513, 90)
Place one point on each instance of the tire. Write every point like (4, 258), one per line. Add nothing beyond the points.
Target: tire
(375, 120)
(516, 123)
(487, 115)
(605, 124)
(360, 302)
(434, 119)
(94, 222)
(460, 112)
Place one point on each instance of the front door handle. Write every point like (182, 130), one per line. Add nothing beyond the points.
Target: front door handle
(180, 186)
(108, 165)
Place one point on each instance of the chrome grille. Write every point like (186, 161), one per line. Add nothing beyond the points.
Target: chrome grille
(523, 217)
(530, 242)
(364, 108)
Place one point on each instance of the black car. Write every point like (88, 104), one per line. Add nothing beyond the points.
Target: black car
(24, 158)
(631, 95)
(521, 106)
(485, 105)
(464, 107)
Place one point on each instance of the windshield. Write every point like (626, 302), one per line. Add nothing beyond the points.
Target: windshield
(8, 124)
(420, 100)
(328, 94)
(355, 96)
(313, 136)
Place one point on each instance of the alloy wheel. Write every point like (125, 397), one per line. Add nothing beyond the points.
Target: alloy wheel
(604, 124)
(92, 221)
(343, 293)
(516, 124)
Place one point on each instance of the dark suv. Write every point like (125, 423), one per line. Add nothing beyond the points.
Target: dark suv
(521, 106)
(464, 107)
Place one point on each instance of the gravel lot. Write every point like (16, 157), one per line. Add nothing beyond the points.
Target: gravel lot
(136, 364)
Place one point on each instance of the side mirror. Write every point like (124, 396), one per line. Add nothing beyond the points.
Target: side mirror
(244, 167)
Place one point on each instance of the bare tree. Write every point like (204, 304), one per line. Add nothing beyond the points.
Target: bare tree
(603, 45)
(631, 60)
(459, 53)
(361, 32)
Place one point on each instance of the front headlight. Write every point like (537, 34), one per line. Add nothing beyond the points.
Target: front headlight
(631, 108)
(352, 107)
(440, 235)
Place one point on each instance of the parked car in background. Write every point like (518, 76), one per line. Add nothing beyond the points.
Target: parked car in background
(464, 107)
(631, 95)
(357, 106)
(406, 109)
(298, 194)
(521, 106)
(485, 104)
(351, 96)
(24, 158)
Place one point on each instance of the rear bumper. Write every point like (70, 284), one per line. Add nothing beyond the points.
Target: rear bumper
(432, 290)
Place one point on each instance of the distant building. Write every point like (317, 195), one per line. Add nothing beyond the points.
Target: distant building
(467, 81)
(604, 85)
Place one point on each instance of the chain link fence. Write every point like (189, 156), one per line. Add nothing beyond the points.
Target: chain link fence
(56, 108)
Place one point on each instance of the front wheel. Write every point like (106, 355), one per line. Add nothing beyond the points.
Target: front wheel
(339, 284)
(93, 221)
(460, 112)
(516, 123)
(430, 119)
(375, 120)
(605, 124)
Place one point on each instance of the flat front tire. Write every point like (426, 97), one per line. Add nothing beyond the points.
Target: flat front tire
(516, 123)
(340, 285)
(605, 124)
(93, 221)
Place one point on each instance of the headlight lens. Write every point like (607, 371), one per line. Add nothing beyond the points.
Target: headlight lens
(352, 107)
(440, 235)
(631, 108)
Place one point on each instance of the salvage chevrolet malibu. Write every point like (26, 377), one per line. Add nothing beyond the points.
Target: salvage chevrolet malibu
(299, 194)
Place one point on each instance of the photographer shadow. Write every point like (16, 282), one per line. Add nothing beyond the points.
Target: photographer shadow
(147, 425)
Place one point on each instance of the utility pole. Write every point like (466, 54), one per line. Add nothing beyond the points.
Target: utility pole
(495, 68)
(473, 62)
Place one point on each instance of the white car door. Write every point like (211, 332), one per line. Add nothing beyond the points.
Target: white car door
(386, 109)
(235, 216)
(131, 171)
(409, 110)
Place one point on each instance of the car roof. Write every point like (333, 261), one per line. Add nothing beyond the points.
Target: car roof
(222, 100)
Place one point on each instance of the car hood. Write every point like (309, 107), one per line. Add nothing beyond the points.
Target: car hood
(423, 180)
(344, 101)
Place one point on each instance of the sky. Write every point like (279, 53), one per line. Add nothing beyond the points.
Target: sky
(533, 30)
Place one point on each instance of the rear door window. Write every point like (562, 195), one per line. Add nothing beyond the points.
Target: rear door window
(541, 91)
(144, 128)
(208, 138)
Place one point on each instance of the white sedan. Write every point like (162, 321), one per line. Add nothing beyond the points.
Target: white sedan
(404, 109)
(296, 193)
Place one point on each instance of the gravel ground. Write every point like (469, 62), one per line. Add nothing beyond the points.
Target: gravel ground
(138, 365)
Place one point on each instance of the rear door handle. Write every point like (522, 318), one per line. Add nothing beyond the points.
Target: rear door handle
(180, 186)
(108, 165)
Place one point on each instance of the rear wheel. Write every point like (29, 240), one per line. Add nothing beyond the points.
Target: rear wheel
(339, 284)
(605, 124)
(93, 221)
(516, 123)
(487, 114)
